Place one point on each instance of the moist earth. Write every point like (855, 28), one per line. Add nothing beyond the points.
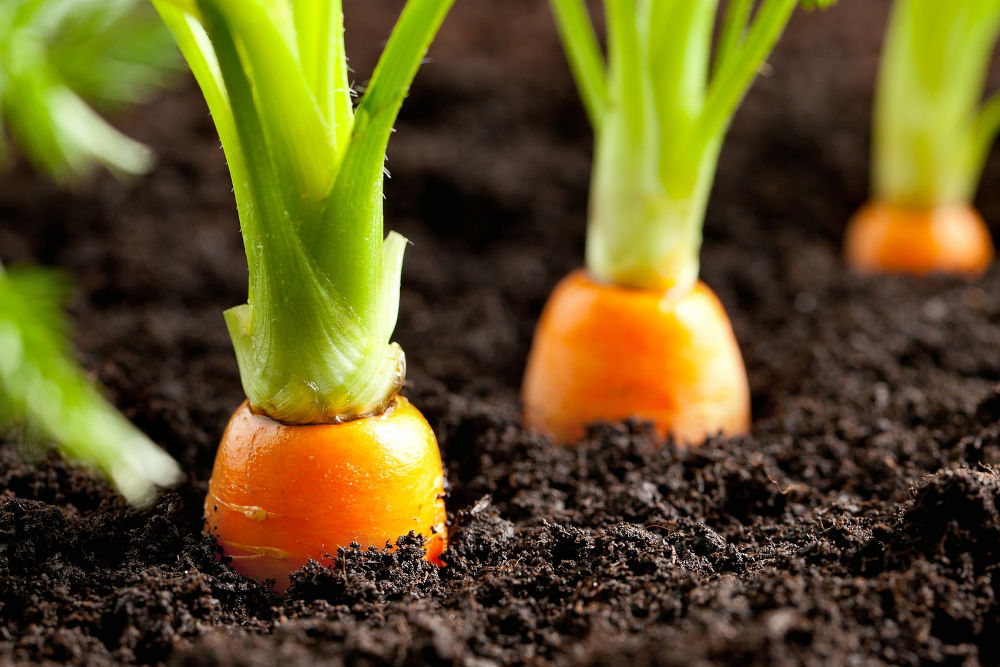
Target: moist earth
(857, 523)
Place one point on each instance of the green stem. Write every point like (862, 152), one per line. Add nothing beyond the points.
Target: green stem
(662, 129)
(319, 27)
(734, 76)
(584, 54)
(349, 230)
(298, 140)
(732, 33)
(313, 340)
(930, 138)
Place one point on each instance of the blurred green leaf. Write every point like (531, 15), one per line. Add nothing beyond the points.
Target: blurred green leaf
(59, 57)
(42, 384)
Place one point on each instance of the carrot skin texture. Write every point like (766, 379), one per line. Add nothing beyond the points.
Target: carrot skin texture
(281, 494)
(607, 353)
(887, 238)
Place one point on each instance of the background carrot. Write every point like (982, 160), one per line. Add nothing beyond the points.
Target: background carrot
(931, 135)
(324, 454)
(637, 334)
(921, 240)
(672, 361)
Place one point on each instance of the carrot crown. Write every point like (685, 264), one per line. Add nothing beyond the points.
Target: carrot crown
(660, 107)
(932, 131)
(312, 341)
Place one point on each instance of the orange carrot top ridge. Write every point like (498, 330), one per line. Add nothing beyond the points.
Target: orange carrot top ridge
(313, 341)
(931, 135)
(660, 104)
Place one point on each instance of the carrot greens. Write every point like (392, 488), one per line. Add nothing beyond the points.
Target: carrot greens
(60, 57)
(313, 340)
(932, 131)
(57, 58)
(660, 104)
(42, 385)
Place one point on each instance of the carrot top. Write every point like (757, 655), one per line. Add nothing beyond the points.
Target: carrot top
(312, 341)
(660, 107)
(932, 131)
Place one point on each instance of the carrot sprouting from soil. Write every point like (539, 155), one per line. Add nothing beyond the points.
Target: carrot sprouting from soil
(324, 453)
(931, 135)
(685, 384)
(636, 334)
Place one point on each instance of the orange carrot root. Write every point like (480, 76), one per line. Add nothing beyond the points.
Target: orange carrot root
(885, 238)
(607, 353)
(280, 495)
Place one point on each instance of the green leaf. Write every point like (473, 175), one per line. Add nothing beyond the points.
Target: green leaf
(115, 53)
(41, 383)
(58, 57)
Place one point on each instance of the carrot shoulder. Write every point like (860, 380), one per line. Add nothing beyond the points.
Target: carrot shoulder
(280, 495)
(918, 240)
(603, 352)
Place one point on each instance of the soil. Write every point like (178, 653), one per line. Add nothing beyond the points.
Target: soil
(858, 523)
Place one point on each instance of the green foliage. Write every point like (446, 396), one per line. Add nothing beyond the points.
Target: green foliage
(40, 383)
(59, 57)
(932, 130)
(660, 105)
(312, 341)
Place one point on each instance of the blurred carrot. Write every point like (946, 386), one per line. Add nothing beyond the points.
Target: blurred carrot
(636, 334)
(604, 352)
(897, 239)
(931, 134)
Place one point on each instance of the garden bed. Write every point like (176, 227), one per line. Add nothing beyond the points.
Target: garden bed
(858, 521)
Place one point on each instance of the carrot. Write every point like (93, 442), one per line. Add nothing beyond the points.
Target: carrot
(896, 239)
(931, 134)
(367, 481)
(676, 362)
(637, 334)
(324, 453)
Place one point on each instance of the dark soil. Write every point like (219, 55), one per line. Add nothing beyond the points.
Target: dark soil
(859, 522)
